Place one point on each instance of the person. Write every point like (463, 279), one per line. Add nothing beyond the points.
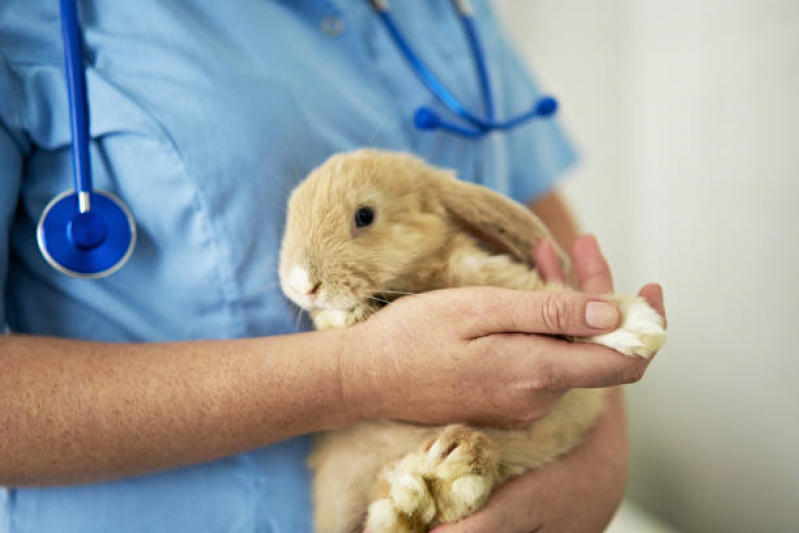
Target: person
(178, 393)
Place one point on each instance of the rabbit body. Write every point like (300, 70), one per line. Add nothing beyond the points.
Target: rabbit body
(426, 231)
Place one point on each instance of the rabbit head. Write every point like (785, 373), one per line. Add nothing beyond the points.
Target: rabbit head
(365, 221)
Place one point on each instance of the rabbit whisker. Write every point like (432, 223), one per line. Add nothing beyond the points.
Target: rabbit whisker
(299, 318)
(378, 300)
(386, 291)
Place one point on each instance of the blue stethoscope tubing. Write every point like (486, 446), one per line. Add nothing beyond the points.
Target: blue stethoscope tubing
(427, 119)
(84, 232)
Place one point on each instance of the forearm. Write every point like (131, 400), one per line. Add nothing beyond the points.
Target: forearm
(77, 411)
(595, 474)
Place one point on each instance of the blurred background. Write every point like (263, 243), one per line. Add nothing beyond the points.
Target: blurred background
(686, 115)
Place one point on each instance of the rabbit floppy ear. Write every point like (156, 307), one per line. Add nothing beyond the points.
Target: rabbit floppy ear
(496, 220)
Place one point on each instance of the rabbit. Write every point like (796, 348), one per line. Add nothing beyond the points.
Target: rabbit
(377, 223)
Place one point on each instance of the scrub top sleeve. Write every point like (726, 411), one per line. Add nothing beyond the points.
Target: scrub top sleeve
(10, 179)
(540, 153)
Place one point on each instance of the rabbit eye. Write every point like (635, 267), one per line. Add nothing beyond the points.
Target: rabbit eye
(364, 216)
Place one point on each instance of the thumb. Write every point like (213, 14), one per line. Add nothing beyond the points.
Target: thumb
(577, 314)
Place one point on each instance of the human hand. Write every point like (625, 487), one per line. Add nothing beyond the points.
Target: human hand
(595, 474)
(480, 355)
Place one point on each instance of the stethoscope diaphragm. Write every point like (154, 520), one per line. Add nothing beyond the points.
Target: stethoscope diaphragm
(90, 244)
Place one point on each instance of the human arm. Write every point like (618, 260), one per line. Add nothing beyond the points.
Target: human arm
(79, 411)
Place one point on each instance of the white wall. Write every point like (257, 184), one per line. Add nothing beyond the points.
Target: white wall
(687, 114)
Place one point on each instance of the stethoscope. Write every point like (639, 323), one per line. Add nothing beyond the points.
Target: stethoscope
(85, 233)
(89, 233)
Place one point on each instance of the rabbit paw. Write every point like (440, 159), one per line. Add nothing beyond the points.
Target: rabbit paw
(641, 333)
(461, 469)
(407, 505)
(330, 318)
(450, 478)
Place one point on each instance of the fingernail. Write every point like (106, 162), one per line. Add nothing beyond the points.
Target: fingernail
(601, 315)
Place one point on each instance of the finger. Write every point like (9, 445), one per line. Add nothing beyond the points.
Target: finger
(546, 262)
(476, 523)
(653, 294)
(558, 364)
(592, 268)
(495, 310)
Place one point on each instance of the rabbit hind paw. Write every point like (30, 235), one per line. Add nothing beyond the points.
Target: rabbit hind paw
(407, 506)
(449, 478)
(461, 468)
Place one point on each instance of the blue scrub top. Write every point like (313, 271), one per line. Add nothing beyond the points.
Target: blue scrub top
(204, 116)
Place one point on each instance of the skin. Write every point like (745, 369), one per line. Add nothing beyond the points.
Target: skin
(78, 411)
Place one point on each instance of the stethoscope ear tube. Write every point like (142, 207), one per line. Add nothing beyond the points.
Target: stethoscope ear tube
(83, 233)
(427, 119)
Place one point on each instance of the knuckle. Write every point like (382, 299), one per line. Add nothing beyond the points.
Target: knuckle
(554, 312)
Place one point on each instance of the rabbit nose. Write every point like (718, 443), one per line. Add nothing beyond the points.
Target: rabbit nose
(300, 281)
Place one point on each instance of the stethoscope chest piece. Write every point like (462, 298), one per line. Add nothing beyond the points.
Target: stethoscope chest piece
(84, 233)
(89, 244)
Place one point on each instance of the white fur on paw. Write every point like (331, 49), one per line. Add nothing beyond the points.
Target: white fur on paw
(471, 490)
(409, 499)
(641, 333)
(330, 318)
(383, 516)
(464, 463)
(410, 495)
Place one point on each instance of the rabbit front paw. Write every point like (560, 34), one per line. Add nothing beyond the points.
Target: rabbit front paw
(341, 318)
(330, 318)
(642, 332)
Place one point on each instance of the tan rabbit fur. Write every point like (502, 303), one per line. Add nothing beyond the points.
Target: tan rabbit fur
(427, 231)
